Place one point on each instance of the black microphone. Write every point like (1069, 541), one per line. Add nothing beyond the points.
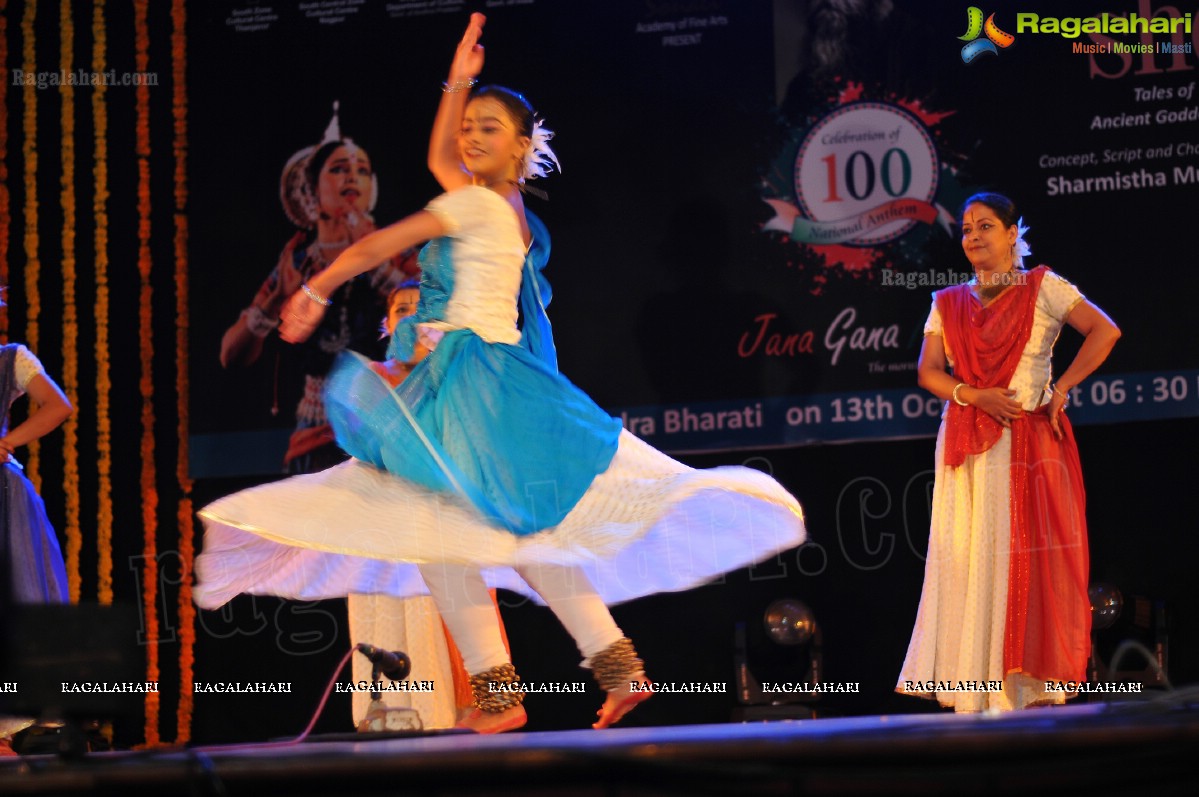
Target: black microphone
(392, 663)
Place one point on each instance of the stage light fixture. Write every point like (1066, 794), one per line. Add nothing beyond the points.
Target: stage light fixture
(776, 667)
(75, 665)
(789, 622)
(1119, 623)
(1106, 605)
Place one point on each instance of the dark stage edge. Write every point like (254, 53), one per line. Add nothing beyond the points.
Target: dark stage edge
(1096, 748)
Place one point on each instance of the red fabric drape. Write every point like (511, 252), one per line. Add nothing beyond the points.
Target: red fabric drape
(1049, 611)
(304, 441)
(986, 344)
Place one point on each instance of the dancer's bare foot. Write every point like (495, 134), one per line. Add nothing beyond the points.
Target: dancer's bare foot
(621, 674)
(481, 721)
(623, 699)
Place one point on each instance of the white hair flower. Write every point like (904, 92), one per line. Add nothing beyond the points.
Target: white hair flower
(1020, 249)
(540, 160)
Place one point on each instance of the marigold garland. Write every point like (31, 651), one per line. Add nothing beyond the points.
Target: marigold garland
(70, 317)
(32, 263)
(149, 476)
(104, 520)
(187, 611)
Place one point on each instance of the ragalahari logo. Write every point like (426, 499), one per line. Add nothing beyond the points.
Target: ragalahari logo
(995, 38)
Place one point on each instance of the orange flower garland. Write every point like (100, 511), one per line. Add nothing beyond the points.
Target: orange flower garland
(76, 471)
(187, 610)
(149, 474)
(104, 520)
(32, 264)
(70, 318)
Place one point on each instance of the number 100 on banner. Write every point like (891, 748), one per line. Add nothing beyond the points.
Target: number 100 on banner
(865, 174)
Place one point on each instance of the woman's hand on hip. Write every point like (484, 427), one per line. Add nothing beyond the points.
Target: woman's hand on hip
(1057, 406)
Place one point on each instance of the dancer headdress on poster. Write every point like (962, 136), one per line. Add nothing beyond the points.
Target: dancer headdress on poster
(297, 184)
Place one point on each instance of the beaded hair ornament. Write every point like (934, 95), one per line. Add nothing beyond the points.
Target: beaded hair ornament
(297, 194)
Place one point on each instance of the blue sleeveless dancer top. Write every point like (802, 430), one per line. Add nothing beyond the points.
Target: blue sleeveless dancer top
(485, 416)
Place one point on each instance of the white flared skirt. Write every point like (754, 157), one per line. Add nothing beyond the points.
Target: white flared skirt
(647, 524)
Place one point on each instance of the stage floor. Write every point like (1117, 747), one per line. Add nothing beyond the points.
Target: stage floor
(1150, 747)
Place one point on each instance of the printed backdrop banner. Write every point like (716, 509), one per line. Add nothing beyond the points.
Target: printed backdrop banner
(757, 198)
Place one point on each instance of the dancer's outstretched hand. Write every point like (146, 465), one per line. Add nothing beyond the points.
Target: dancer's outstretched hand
(300, 318)
(468, 58)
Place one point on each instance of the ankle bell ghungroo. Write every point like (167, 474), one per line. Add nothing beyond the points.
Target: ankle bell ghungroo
(615, 665)
(497, 689)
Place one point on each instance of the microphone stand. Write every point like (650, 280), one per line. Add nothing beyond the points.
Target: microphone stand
(379, 716)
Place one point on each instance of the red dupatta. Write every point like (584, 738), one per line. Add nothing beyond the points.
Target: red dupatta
(986, 344)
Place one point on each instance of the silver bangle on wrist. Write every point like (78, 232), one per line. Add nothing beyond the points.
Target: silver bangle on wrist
(954, 395)
(459, 85)
(314, 296)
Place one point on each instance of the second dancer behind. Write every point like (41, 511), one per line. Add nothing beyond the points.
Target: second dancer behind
(486, 465)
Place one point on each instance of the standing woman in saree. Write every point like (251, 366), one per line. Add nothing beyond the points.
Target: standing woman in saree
(1005, 602)
(486, 466)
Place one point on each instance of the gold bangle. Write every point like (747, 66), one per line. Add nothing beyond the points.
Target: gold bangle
(1053, 389)
(957, 400)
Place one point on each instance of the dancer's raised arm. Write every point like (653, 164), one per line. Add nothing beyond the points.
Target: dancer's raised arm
(445, 162)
